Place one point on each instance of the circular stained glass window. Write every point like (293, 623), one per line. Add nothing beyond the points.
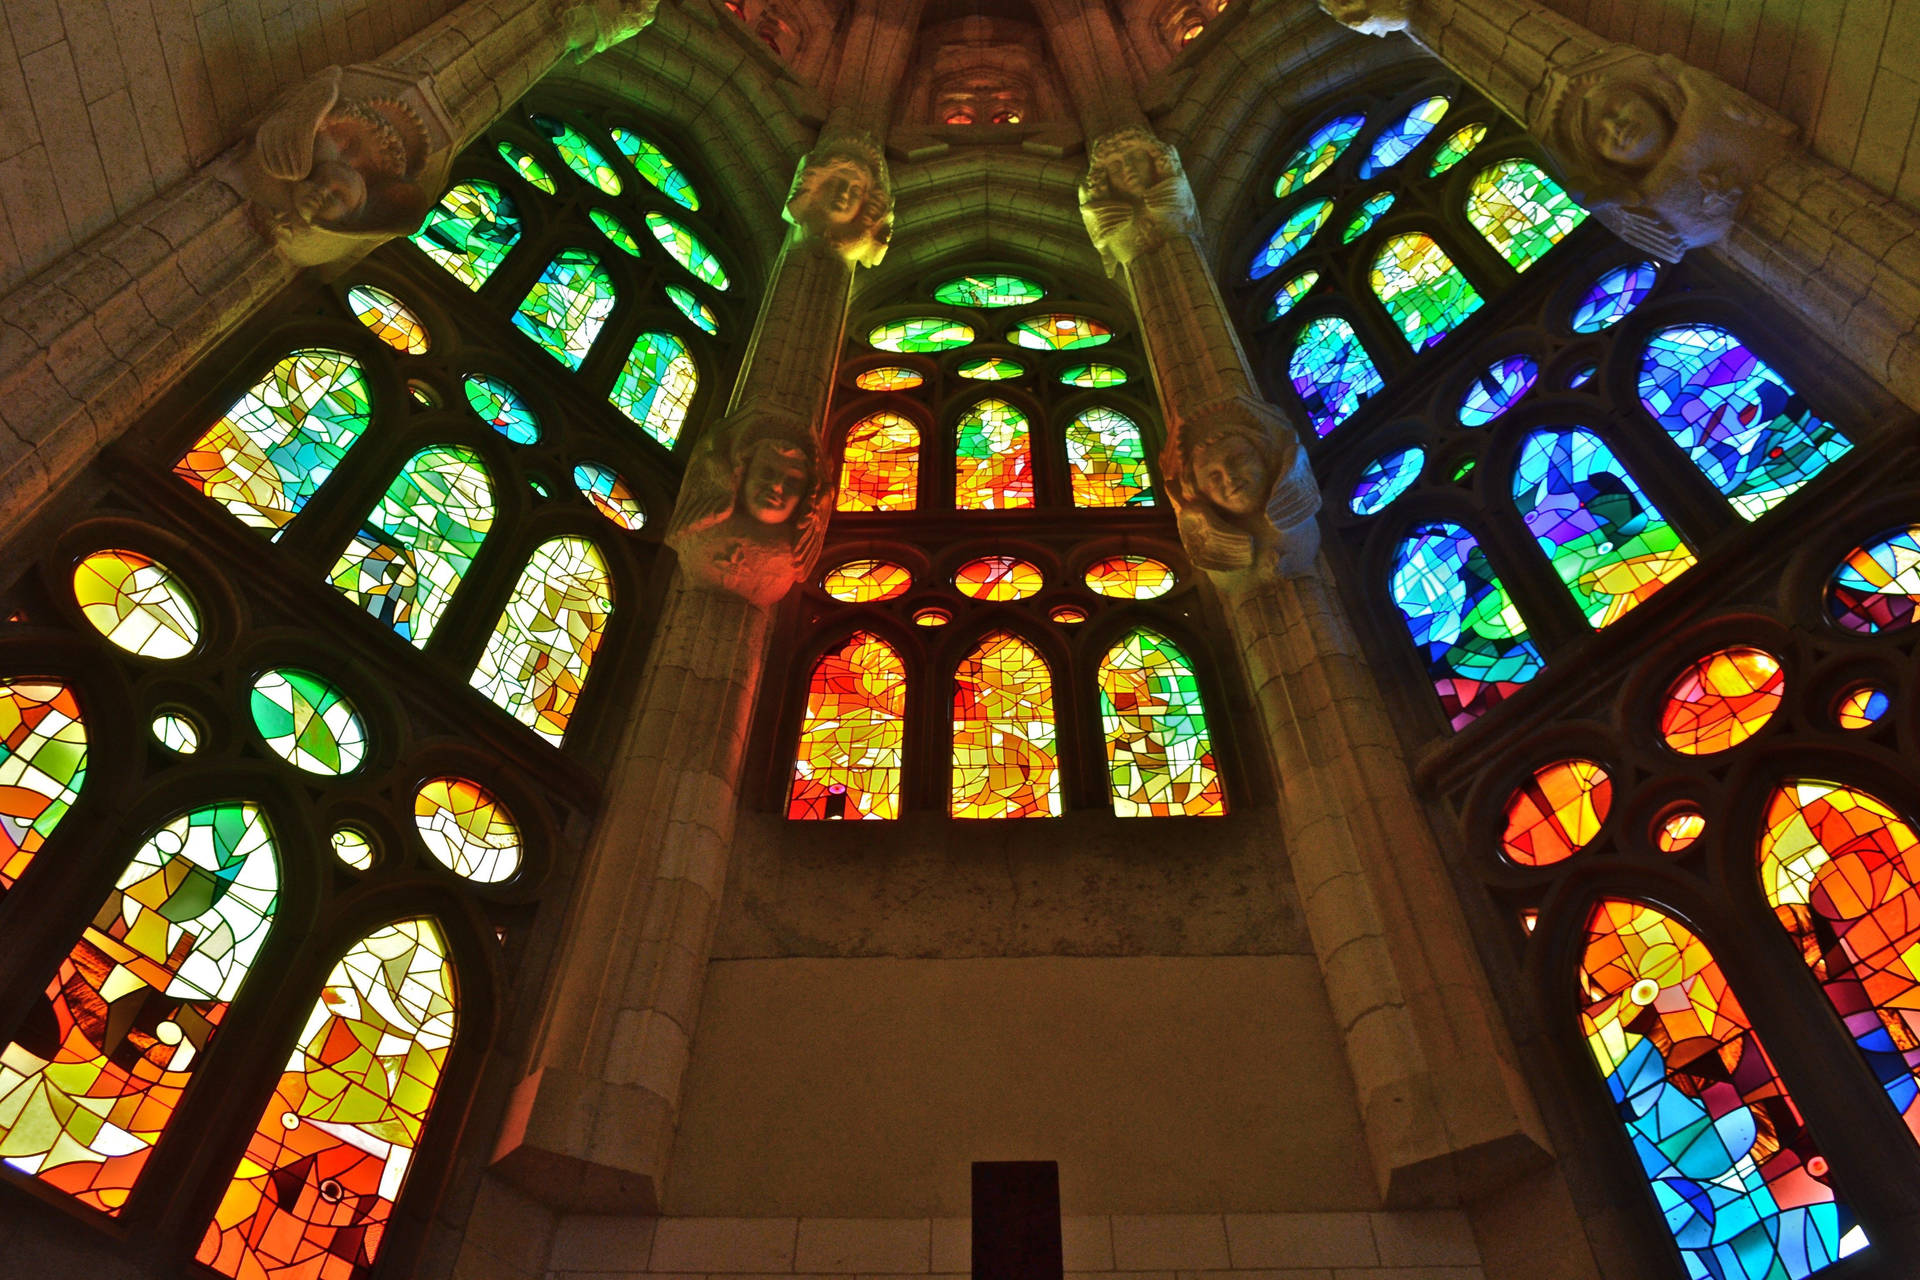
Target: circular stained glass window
(1385, 479)
(998, 578)
(1068, 614)
(890, 377)
(177, 732)
(865, 581)
(137, 603)
(1059, 332)
(391, 320)
(991, 369)
(1130, 578)
(1289, 238)
(501, 408)
(1556, 813)
(467, 829)
(1722, 700)
(1877, 587)
(308, 722)
(353, 847)
(989, 291)
(1494, 392)
(1613, 295)
(1398, 140)
(608, 492)
(1861, 707)
(931, 616)
(1678, 828)
(919, 334)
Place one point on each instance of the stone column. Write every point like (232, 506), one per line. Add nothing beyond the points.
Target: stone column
(90, 343)
(1445, 1113)
(591, 1127)
(1671, 158)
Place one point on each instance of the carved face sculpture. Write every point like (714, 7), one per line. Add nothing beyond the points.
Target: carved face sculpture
(833, 190)
(1624, 126)
(774, 481)
(1132, 171)
(1230, 472)
(333, 192)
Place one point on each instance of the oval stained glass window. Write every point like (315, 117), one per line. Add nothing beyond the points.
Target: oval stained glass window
(602, 486)
(998, 578)
(1290, 293)
(615, 230)
(1093, 376)
(1877, 587)
(1398, 140)
(1556, 813)
(989, 291)
(688, 250)
(391, 320)
(891, 377)
(1317, 154)
(1582, 376)
(867, 581)
(693, 309)
(1129, 578)
(578, 154)
(308, 722)
(1385, 479)
(351, 846)
(1679, 829)
(1613, 295)
(1058, 332)
(1721, 700)
(920, 334)
(1458, 146)
(652, 164)
(1289, 238)
(991, 369)
(1861, 707)
(526, 166)
(1496, 389)
(176, 732)
(500, 407)
(467, 829)
(137, 603)
(1364, 218)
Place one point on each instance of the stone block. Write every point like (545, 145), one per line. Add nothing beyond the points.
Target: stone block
(1436, 1238)
(952, 1245)
(1300, 1240)
(1086, 1244)
(840, 1245)
(602, 1242)
(725, 1245)
(1171, 1241)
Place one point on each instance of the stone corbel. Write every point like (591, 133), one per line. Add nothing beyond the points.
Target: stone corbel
(594, 26)
(841, 199)
(1243, 490)
(1135, 197)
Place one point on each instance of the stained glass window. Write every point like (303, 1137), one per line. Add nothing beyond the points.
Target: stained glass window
(353, 847)
(1877, 587)
(1465, 626)
(567, 306)
(1556, 812)
(137, 603)
(1289, 238)
(1004, 760)
(537, 658)
(1093, 376)
(1721, 700)
(529, 168)
(280, 441)
(656, 385)
(1743, 426)
(1679, 829)
(1861, 707)
(921, 334)
(688, 250)
(1613, 295)
(1385, 479)
(470, 231)
(991, 369)
(43, 763)
(848, 762)
(652, 164)
(1458, 146)
(693, 309)
(1725, 1151)
(176, 732)
(880, 468)
(991, 290)
(1332, 372)
(890, 377)
(1498, 387)
(1521, 211)
(501, 408)
(391, 320)
(578, 154)
(133, 1007)
(993, 461)
(1398, 140)
(308, 722)
(1423, 291)
(1129, 578)
(1317, 154)
(406, 561)
(1108, 460)
(1606, 539)
(467, 829)
(1290, 293)
(602, 486)
(615, 231)
(866, 581)
(998, 578)
(1365, 216)
(1159, 751)
(316, 1187)
(1059, 333)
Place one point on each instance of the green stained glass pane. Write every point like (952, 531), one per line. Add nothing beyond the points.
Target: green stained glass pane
(501, 408)
(1289, 238)
(1291, 292)
(1368, 214)
(543, 643)
(993, 460)
(1108, 461)
(1421, 288)
(578, 154)
(656, 385)
(920, 334)
(1521, 211)
(406, 561)
(1093, 376)
(177, 733)
(1458, 146)
(685, 248)
(653, 165)
(567, 305)
(1059, 332)
(1159, 751)
(693, 309)
(308, 722)
(610, 496)
(991, 369)
(352, 847)
(615, 230)
(469, 232)
(523, 162)
(535, 484)
(989, 291)
(1317, 154)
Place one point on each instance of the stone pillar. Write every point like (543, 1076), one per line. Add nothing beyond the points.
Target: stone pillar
(1445, 1113)
(1671, 158)
(90, 343)
(591, 1127)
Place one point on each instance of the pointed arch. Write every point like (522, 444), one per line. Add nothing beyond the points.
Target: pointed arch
(470, 232)
(1332, 372)
(567, 306)
(1107, 460)
(100, 1068)
(408, 558)
(1421, 288)
(1465, 626)
(1605, 538)
(880, 466)
(314, 1192)
(537, 658)
(1160, 760)
(43, 763)
(1520, 211)
(993, 458)
(1006, 760)
(848, 761)
(656, 385)
(1738, 1179)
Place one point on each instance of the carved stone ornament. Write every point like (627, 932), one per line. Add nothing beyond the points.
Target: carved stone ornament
(1134, 197)
(346, 161)
(1662, 153)
(754, 505)
(1370, 17)
(842, 197)
(1243, 491)
(594, 26)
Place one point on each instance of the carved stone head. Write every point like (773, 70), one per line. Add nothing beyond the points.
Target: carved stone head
(1134, 196)
(754, 506)
(841, 196)
(1243, 491)
(1370, 17)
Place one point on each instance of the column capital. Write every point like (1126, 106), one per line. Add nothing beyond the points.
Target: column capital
(1243, 490)
(841, 198)
(1135, 196)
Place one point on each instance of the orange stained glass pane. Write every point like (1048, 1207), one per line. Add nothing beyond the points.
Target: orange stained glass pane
(1722, 700)
(880, 468)
(866, 581)
(467, 829)
(890, 377)
(1861, 707)
(1556, 813)
(391, 320)
(1130, 577)
(1004, 761)
(848, 762)
(43, 764)
(1680, 829)
(993, 459)
(998, 578)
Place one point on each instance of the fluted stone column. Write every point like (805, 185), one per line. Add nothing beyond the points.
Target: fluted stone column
(89, 344)
(1671, 158)
(1445, 1113)
(591, 1127)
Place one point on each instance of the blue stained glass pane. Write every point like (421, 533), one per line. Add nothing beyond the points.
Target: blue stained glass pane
(1496, 389)
(1364, 218)
(1463, 623)
(1290, 293)
(1385, 479)
(1613, 295)
(1745, 428)
(501, 408)
(1332, 372)
(1399, 139)
(1583, 375)
(1317, 154)
(1290, 238)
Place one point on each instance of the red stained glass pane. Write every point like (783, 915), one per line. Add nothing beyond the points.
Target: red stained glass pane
(880, 468)
(1722, 700)
(848, 763)
(1556, 813)
(1004, 760)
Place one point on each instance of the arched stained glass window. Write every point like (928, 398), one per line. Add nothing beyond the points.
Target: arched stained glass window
(567, 306)
(1607, 541)
(280, 441)
(1109, 461)
(656, 385)
(43, 762)
(880, 467)
(1521, 211)
(993, 458)
(316, 1187)
(1746, 429)
(1005, 760)
(1729, 1161)
(1422, 290)
(470, 232)
(537, 658)
(129, 1015)
(1159, 749)
(408, 558)
(1465, 626)
(1332, 372)
(848, 762)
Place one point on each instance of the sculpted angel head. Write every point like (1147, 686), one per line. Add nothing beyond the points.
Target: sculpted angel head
(753, 508)
(1244, 493)
(840, 194)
